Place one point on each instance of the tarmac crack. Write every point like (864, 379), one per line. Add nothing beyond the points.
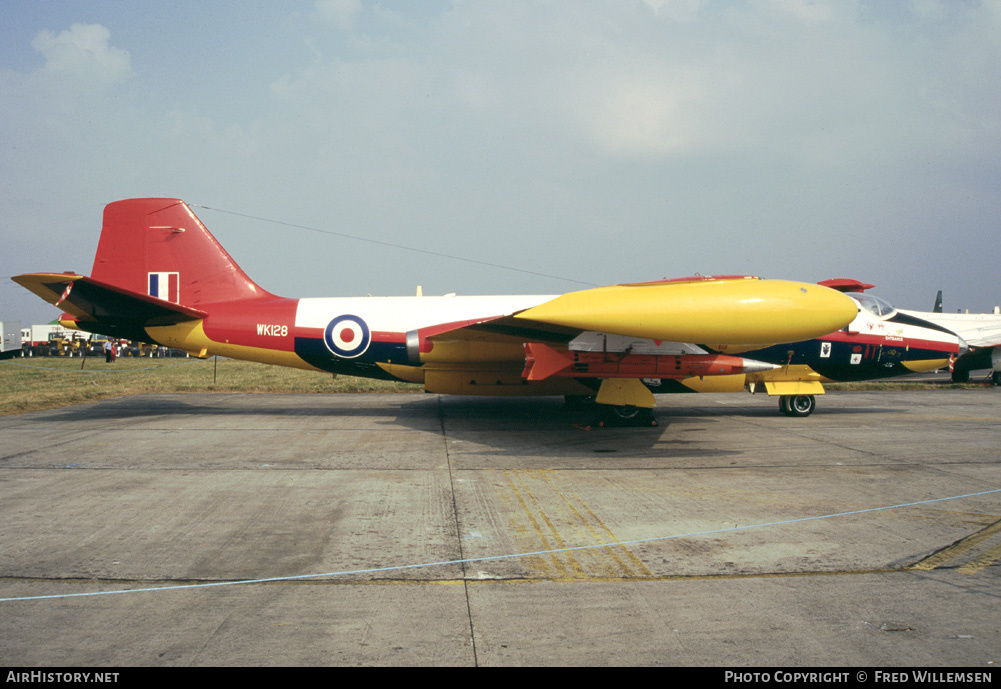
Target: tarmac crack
(75, 440)
(560, 579)
(458, 531)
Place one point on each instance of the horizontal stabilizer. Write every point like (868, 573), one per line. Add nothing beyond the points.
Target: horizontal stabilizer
(90, 300)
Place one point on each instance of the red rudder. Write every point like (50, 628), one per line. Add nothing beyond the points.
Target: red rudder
(160, 247)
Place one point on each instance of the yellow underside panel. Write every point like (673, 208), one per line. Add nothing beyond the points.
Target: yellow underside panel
(925, 365)
(191, 337)
(794, 387)
(474, 351)
(411, 374)
(495, 382)
(625, 392)
(786, 374)
(798, 379)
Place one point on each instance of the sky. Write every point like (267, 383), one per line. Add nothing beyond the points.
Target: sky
(345, 147)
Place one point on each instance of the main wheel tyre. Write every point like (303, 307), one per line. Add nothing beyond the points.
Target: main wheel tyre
(960, 376)
(628, 412)
(784, 404)
(625, 415)
(801, 405)
(996, 377)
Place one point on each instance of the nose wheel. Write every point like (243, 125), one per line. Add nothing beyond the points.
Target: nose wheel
(797, 405)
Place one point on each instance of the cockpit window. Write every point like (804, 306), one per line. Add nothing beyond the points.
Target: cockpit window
(873, 305)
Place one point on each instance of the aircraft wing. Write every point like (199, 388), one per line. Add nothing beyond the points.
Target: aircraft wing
(732, 310)
(623, 333)
(102, 308)
(977, 329)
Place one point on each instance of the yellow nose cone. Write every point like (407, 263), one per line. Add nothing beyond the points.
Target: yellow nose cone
(741, 311)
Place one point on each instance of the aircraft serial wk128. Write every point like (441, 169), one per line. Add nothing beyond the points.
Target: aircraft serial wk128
(160, 276)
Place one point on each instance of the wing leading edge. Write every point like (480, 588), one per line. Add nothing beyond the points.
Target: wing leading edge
(644, 331)
(732, 311)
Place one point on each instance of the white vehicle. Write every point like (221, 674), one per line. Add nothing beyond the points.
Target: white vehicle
(11, 334)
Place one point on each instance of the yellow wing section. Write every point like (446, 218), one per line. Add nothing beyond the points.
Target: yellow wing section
(741, 311)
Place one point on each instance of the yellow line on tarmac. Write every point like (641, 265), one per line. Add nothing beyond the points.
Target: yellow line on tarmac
(535, 527)
(624, 567)
(956, 549)
(539, 531)
(989, 557)
(575, 565)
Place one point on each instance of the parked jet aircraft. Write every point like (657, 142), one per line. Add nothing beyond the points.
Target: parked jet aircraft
(981, 331)
(881, 342)
(160, 276)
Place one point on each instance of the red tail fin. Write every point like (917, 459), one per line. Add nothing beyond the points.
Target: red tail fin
(159, 247)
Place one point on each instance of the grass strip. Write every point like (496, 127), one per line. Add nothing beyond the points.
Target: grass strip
(49, 382)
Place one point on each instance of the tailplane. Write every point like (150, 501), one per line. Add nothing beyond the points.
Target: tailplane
(160, 248)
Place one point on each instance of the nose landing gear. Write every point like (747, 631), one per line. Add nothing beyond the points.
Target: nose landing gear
(797, 405)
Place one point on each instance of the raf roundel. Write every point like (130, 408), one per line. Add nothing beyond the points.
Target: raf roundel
(347, 336)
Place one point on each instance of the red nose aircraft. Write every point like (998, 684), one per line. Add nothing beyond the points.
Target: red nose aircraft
(160, 276)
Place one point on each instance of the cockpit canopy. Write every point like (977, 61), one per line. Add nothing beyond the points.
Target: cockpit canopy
(873, 304)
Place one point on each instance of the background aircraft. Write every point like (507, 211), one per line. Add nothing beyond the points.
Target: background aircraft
(981, 331)
(160, 276)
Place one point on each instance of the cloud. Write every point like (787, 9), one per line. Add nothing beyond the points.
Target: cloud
(641, 115)
(341, 13)
(677, 10)
(562, 126)
(808, 11)
(83, 52)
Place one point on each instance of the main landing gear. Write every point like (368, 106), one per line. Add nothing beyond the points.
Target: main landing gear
(624, 415)
(963, 376)
(797, 405)
(610, 414)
